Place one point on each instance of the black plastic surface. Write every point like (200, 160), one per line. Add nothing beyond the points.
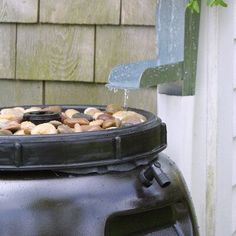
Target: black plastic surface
(110, 150)
(39, 117)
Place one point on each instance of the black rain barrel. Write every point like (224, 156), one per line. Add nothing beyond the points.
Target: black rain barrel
(112, 183)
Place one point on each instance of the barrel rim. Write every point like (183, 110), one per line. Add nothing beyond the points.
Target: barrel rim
(18, 152)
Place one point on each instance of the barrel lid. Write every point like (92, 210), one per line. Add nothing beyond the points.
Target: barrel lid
(99, 151)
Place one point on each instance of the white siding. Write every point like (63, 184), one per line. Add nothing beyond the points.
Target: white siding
(234, 135)
(234, 111)
(234, 211)
(234, 163)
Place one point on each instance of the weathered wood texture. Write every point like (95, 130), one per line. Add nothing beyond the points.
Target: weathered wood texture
(19, 11)
(86, 93)
(138, 12)
(119, 45)
(46, 52)
(84, 40)
(7, 50)
(16, 92)
(80, 12)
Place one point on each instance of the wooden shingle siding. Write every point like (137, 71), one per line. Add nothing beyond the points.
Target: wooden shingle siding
(138, 12)
(88, 93)
(119, 45)
(80, 12)
(7, 50)
(55, 52)
(19, 11)
(73, 41)
(17, 93)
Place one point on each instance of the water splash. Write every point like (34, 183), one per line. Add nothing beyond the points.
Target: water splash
(126, 97)
(126, 94)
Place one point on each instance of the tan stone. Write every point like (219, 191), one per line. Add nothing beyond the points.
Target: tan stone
(80, 12)
(13, 113)
(112, 108)
(105, 116)
(25, 11)
(27, 126)
(56, 123)
(32, 109)
(139, 12)
(95, 128)
(50, 52)
(20, 132)
(12, 126)
(97, 114)
(120, 45)
(56, 109)
(91, 111)
(129, 115)
(45, 128)
(3, 122)
(64, 129)
(5, 132)
(71, 122)
(108, 123)
(70, 112)
(96, 122)
(78, 128)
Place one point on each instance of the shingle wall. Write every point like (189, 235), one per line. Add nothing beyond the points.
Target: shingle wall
(60, 51)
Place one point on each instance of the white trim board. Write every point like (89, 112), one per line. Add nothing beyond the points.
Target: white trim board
(201, 126)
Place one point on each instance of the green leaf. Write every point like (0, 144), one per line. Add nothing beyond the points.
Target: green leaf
(193, 6)
(216, 3)
(223, 4)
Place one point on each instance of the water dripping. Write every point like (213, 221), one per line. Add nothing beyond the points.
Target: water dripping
(126, 97)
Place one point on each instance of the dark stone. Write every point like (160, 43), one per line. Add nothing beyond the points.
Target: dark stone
(82, 115)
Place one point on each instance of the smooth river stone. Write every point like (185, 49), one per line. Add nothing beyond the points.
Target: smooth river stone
(5, 132)
(82, 115)
(72, 121)
(27, 126)
(91, 111)
(109, 123)
(12, 126)
(124, 114)
(56, 109)
(96, 122)
(95, 128)
(113, 108)
(32, 109)
(56, 123)
(105, 116)
(64, 129)
(45, 128)
(20, 132)
(70, 112)
(12, 114)
(97, 114)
